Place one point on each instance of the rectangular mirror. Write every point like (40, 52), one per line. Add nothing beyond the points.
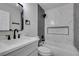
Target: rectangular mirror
(11, 16)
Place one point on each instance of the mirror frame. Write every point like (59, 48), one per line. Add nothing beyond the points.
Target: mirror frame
(22, 18)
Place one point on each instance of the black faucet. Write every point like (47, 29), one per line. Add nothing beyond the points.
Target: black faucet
(15, 33)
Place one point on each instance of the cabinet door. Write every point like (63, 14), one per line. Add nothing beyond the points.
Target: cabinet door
(24, 51)
(34, 53)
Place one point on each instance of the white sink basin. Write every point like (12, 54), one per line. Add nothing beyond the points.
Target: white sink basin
(16, 41)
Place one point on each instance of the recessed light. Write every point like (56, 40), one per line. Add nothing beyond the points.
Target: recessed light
(52, 23)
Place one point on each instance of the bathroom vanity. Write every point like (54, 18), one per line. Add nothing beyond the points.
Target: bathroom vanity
(25, 46)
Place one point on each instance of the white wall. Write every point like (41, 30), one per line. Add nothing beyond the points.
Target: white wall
(60, 16)
(30, 13)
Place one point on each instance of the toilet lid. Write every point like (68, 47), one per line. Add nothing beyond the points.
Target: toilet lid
(44, 49)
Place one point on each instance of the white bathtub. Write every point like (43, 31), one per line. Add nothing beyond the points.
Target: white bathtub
(62, 49)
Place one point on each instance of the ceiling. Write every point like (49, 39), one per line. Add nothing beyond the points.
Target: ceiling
(47, 6)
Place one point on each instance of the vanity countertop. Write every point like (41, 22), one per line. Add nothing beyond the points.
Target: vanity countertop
(7, 46)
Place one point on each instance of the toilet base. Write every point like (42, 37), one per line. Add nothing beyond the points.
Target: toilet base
(44, 51)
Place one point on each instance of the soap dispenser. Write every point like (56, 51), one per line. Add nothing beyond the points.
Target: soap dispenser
(8, 37)
(18, 35)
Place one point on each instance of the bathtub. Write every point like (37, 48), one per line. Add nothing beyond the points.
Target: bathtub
(62, 49)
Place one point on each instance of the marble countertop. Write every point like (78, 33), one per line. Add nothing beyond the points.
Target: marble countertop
(7, 46)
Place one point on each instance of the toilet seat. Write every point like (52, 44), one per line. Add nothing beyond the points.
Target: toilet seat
(44, 51)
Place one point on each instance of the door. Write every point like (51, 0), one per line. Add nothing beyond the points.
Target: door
(41, 24)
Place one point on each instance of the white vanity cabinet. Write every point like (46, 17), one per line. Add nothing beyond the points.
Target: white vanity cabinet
(28, 50)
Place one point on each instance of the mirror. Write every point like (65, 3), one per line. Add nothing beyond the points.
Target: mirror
(11, 16)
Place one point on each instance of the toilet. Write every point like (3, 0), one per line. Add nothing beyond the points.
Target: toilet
(44, 51)
(57, 50)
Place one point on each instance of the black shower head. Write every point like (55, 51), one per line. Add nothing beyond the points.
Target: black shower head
(44, 15)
